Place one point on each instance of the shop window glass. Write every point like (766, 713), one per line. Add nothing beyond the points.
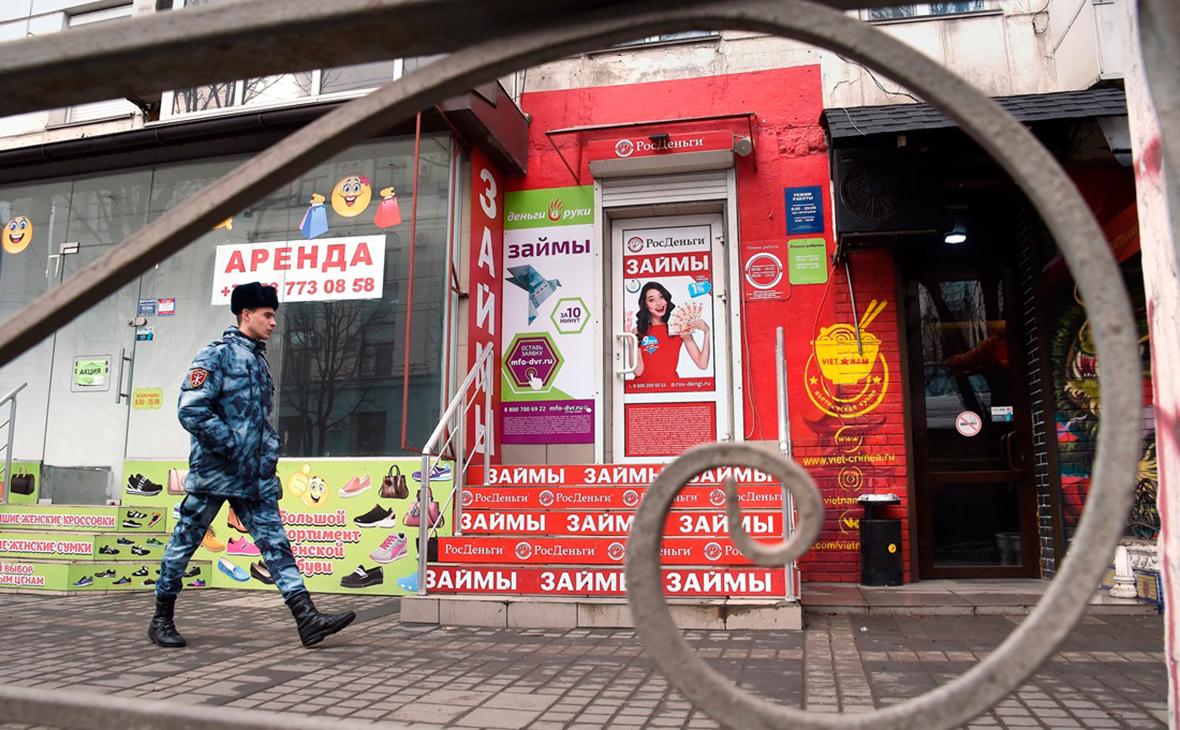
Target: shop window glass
(98, 110)
(918, 10)
(339, 366)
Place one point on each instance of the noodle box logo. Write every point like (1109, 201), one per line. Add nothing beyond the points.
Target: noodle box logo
(847, 376)
(616, 551)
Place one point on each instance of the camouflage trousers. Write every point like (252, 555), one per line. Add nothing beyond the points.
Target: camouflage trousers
(261, 520)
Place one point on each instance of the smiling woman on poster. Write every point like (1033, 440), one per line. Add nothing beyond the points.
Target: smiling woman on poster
(659, 348)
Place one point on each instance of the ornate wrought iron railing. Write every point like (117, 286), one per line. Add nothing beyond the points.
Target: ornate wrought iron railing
(145, 56)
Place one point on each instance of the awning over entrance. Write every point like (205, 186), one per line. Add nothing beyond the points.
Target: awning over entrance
(862, 121)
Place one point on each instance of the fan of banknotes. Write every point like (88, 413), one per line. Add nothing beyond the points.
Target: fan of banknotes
(682, 316)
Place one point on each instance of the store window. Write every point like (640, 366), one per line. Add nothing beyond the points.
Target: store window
(348, 373)
(688, 35)
(99, 110)
(275, 90)
(920, 10)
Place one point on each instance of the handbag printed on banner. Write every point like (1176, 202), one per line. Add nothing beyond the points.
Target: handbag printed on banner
(22, 482)
(393, 486)
(434, 516)
(315, 220)
(176, 479)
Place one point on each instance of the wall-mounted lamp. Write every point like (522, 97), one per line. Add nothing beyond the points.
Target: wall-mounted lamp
(660, 137)
(956, 235)
(743, 146)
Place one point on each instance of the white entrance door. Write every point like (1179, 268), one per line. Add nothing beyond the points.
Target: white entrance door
(89, 393)
(671, 379)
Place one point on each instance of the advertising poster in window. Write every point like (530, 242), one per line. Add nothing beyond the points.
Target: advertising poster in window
(667, 277)
(547, 372)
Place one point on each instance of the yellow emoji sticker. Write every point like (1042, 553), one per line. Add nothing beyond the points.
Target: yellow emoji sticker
(351, 196)
(17, 234)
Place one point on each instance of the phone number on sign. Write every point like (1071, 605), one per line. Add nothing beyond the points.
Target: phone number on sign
(328, 286)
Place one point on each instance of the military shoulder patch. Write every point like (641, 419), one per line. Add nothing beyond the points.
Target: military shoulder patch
(197, 377)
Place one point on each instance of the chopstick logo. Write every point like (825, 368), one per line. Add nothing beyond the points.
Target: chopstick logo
(847, 375)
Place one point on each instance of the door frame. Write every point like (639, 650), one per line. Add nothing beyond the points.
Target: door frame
(922, 561)
(655, 198)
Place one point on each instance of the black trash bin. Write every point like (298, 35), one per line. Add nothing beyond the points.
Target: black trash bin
(880, 542)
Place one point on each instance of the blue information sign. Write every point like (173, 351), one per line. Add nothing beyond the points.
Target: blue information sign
(805, 211)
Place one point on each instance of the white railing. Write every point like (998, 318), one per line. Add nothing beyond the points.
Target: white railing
(480, 375)
(10, 424)
(794, 585)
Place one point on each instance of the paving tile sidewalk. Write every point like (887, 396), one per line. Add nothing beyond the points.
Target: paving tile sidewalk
(243, 652)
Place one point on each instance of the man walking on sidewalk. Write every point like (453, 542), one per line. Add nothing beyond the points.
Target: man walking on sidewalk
(225, 403)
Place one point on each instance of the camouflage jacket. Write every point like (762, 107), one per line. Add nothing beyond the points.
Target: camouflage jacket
(225, 403)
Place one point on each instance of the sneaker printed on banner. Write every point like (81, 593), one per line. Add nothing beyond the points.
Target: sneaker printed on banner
(241, 546)
(83, 582)
(107, 550)
(141, 485)
(376, 517)
(393, 548)
(198, 583)
(409, 583)
(137, 550)
(438, 473)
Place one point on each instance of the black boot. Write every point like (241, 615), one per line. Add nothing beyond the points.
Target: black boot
(162, 630)
(313, 625)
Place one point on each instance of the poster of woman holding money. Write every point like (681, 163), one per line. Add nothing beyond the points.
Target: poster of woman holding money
(663, 328)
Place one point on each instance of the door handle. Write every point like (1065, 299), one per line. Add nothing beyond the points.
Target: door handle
(1006, 445)
(629, 355)
(119, 394)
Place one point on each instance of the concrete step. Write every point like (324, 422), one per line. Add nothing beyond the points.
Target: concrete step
(522, 612)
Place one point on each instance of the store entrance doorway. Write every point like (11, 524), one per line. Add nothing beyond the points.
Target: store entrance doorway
(969, 404)
(671, 370)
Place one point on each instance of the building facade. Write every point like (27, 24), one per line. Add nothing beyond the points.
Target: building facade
(628, 229)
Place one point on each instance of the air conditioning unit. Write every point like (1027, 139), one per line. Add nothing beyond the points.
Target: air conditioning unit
(887, 191)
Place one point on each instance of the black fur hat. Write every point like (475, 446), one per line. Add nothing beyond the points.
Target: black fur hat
(253, 296)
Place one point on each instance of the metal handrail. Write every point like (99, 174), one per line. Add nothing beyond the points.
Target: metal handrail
(784, 445)
(481, 370)
(10, 397)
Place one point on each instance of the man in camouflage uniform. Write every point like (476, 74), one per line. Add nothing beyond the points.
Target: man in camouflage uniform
(225, 403)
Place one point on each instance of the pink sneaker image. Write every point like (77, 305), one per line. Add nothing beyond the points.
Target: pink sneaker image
(241, 546)
(391, 549)
(355, 486)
